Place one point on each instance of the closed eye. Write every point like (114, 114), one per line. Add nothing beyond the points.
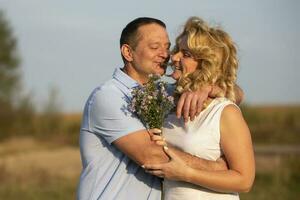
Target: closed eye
(186, 54)
(154, 47)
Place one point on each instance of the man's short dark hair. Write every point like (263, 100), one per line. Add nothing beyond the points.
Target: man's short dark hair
(129, 34)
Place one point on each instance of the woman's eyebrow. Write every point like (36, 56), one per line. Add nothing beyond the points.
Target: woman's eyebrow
(186, 51)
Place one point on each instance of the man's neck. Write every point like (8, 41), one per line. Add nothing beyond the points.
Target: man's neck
(130, 71)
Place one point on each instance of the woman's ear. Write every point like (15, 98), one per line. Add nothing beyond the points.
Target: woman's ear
(127, 52)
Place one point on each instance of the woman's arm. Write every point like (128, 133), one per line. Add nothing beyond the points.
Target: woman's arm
(237, 147)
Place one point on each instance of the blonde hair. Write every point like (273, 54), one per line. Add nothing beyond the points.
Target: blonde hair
(216, 54)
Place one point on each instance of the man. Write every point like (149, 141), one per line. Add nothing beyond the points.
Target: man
(113, 143)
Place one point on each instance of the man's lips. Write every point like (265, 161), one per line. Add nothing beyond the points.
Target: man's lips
(161, 65)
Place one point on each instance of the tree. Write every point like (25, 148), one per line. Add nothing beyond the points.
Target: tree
(9, 75)
(17, 110)
(9, 62)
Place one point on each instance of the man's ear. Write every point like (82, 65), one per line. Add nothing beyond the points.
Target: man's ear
(127, 52)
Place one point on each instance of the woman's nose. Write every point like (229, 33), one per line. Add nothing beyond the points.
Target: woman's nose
(175, 57)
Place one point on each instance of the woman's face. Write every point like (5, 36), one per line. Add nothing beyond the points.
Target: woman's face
(183, 60)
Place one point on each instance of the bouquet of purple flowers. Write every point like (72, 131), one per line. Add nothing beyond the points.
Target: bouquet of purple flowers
(151, 102)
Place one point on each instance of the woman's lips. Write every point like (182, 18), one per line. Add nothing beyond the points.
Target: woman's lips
(176, 74)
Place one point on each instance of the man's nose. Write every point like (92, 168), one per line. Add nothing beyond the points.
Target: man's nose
(165, 53)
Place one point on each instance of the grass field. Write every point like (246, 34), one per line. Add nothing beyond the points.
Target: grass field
(47, 166)
(32, 169)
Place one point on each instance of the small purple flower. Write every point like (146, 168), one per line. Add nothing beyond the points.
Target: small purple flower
(151, 102)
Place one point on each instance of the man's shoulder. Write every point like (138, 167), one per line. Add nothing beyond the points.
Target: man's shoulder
(107, 88)
(107, 94)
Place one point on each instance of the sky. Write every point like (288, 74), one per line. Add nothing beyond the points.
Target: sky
(73, 46)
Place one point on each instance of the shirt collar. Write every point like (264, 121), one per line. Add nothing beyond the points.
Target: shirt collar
(123, 78)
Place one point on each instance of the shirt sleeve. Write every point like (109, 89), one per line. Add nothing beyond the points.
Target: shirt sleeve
(109, 116)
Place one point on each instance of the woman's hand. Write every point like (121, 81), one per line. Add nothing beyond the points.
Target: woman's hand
(159, 140)
(175, 169)
(155, 135)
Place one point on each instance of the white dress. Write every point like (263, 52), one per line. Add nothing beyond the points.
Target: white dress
(201, 138)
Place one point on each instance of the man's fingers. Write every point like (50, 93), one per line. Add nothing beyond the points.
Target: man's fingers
(186, 108)
(152, 166)
(154, 169)
(199, 107)
(158, 173)
(180, 105)
(200, 102)
(190, 104)
(221, 163)
(193, 108)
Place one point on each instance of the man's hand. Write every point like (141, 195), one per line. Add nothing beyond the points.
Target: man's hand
(177, 168)
(190, 103)
(239, 95)
(221, 164)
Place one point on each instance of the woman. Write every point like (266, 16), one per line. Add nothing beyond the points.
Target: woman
(206, 55)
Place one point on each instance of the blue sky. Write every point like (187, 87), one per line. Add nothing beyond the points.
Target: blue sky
(73, 45)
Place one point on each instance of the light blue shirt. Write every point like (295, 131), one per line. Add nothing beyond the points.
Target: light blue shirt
(107, 172)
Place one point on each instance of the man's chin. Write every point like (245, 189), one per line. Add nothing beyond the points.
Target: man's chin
(160, 71)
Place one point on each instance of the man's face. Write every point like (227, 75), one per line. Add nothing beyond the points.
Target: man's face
(152, 50)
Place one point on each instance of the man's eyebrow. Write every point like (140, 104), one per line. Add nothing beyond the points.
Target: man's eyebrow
(158, 43)
(154, 43)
